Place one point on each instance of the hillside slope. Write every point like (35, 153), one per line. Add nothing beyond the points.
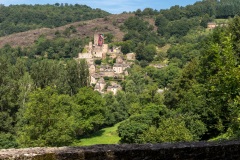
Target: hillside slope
(108, 24)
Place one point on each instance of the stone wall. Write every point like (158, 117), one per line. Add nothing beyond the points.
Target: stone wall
(228, 150)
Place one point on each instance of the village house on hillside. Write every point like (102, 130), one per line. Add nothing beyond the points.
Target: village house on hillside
(100, 85)
(211, 25)
(91, 68)
(114, 88)
(94, 78)
(119, 60)
(105, 67)
(120, 66)
(107, 73)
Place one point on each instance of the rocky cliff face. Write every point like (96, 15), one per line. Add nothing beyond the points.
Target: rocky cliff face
(179, 151)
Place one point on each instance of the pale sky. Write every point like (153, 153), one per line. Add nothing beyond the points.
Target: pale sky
(112, 6)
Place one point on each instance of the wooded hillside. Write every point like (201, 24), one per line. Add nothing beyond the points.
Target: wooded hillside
(19, 18)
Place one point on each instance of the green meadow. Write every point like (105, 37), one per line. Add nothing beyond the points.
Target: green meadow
(104, 136)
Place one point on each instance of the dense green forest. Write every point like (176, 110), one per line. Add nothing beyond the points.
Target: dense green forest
(201, 102)
(19, 18)
(46, 99)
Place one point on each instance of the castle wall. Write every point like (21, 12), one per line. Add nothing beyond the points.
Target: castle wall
(98, 54)
(105, 48)
(84, 55)
(228, 150)
(96, 39)
(90, 46)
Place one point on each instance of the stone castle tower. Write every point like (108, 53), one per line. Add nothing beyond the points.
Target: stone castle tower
(98, 39)
(99, 45)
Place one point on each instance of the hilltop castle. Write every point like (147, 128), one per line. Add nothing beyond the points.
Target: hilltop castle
(98, 50)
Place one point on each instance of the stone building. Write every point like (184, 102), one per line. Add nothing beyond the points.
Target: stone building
(91, 68)
(105, 67)
(107, 73)
(100, 85)
(99, 48)
(95, 50)
(211, 25)
(131, 56)
(90, 61)
(100, 51)
(114, 88)
(120, 68)
(94, 78)
(120, 60)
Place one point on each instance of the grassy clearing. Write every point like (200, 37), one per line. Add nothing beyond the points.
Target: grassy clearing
(164, 49)
(104, 136)
(218, 21)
